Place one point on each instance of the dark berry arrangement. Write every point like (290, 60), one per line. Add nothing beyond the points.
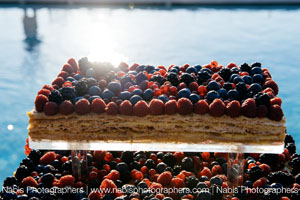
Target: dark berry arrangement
(154, 170)
(140, 90)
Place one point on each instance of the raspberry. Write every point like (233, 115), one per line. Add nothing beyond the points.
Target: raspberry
(63, 74)
(276, 100)
(66, 107)
(133, 66)
(181, 86)
(177, 183)
(45, 92)
(95, 195)
(233, 109)
(67, 180)
(58, 81)
(272, 84)
(260, 183)
(171, 107)
(205, 172)
(74, 64)
(185, 106)
(262, 111)
(108, 187)
(99, 155)
(205, 156)
(193, 86)
(113, 175)
(179, 156)
(98, 106)
(216, 169)
(40, 102)
(108, 157)
(29, 181)
(51, 108)
(202, 90)
(47, 158)
(112, 108)
(48, 87)
(82, 107)
(126, 108)
(275, 112)
(141, 109)
(217, 108)
(68, 68)
(155, 185)
(165, 178)
(266, 169)
(201, 107)
(248, 108)
(156, 107)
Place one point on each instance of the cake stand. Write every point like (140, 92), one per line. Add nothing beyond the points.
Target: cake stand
(235, 152)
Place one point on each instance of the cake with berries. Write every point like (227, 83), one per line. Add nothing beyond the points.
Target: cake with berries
(95, 101)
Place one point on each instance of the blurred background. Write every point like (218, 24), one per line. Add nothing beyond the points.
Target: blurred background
(36, 40)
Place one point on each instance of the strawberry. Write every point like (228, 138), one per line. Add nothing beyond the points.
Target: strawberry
(217, 108)
(248, 108)
(156, 107)
(112, 108)
(82, 107)
(185, 106)
(40, 102)
(201, 107)
(66, 108)
(141, 109)
(171, 107)
(126, 108)
(98, 106)
(50, 108)
(233, 109)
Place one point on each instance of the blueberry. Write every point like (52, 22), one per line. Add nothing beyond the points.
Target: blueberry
(204, 195)
(90, 73)
(223, 93)
(233, 76)
(107, 94)
(47, 179)
(203, 178)
(149, 68)
(134, 99)
(255, 87)
(142, 185)
(237, 80)
(140, 77)
(174, 70)
(258, 78)
(194, 98)
(164, 98)
(191, 70)
(247, 79)
(70, 79)
(202, 185)
(74, 83)
(256, 70)
(206, 70)
(94, 91)
(212, 95)
(77, 99)
(187, 163)
(216, 180)
(138, 92)
(144, 84)
(227, 86)
(115, 87)
(22, 197)
(125, 95)
(140, 68)
(235, 70)
(122, 167)
(94, 97)
(233, 94)
(248, 184)
(78, 77)
(132, 72)
(185, 92)
(161, 167)
(198, 67)
(48, 169)
(213, 85)
(10, 195)
(148, 94)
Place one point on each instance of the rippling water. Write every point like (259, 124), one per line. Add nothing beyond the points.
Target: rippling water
(33, 48)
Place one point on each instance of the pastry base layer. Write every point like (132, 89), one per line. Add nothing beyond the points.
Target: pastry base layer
(191, 128)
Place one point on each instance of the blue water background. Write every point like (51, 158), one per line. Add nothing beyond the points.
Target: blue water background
(147, 35)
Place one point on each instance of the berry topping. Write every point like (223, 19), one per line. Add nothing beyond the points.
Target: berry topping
(233, 109)
(275, 112)
(74, 64)
(262, 111)
(40, 102)
(201, 107)
(185, 106)
(59, 81)
(217, 108)
(141, 109)
(48, 87)
(248, 108)
(276, 100)
(56, 97)
(171, 107)
(98, 106)
(29, 182)
(66, 108)
(115, 87)
(67, 180)
(50, 108)
(47, 158)
(68, 68)
(272, 85)
(45, 92)
(156, 107)
(126, 108)
(82, 107)
(112, 108)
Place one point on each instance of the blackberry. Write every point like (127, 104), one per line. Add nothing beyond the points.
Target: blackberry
(203, 76)
(227, 86)
(68, 93)
(91, 82)
(84, 65)
(35, 156)
(204, 195)
(288, 139)
(140, 68)
(281, 177)
(149, 68)
(22, 172)
(135, 165)
(127, 157)
(126, 79)
(225, 73)
(169, 169)
(177, 169)
(140, 77)
(270, 159)
(262, 99)
(113, 164)
(187, 78)
(242, 89)
(150, 164)
(158, 78)
(191, 182)
(10, 181)
(256, 64)
(245, 67)
(82, 87)
(169, 159)
(291, 147)
(187, 163)
(56, 97)
(255, 173)
(28, 163)
(172, 77)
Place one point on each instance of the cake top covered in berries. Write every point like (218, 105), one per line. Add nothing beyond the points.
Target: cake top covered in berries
(142, 90)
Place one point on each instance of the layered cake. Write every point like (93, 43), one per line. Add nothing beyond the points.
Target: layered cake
(94, 101)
